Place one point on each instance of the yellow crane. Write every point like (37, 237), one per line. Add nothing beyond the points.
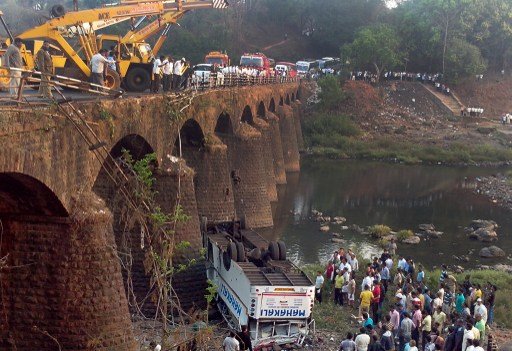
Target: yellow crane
(134, 55)
(74, 34)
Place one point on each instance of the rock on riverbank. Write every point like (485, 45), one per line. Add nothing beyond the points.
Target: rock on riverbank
(497, 188)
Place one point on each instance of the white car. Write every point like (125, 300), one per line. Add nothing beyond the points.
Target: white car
(202, 73)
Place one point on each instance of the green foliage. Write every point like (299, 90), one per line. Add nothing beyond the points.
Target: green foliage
(211, 292)
(464, 59)
(379, 230)
(376, 46)
(331, 95)
(329, 130)
(404, 234)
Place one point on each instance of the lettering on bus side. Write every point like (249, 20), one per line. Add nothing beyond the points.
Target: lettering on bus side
(231, 300)
(282, 313)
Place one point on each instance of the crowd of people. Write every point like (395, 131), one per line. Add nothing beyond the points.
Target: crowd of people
(398, 310)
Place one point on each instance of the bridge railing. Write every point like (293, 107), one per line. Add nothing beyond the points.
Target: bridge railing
(31, 79)
(219, 80)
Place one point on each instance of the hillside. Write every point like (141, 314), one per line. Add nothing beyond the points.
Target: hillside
(493, 93)
(402, 121)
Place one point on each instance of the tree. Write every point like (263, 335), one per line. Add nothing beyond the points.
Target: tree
(376, 46)
(463, 59)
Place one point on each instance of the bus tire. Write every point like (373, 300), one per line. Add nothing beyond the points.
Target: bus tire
(282, 250)
(240, 252)
(137, 79)
(273, 249)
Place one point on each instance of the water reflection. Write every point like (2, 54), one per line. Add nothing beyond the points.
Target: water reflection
(367, 193)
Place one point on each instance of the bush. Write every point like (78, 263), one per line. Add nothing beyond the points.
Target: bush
(331, 96)
(404, 234)
(379, 230)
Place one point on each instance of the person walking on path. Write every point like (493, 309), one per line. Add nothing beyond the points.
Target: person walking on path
(45, 66)
(13, 60)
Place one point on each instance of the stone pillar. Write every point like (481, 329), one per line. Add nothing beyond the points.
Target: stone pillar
(214, 191)
(277, 148)
(297, 118)
(190, 285)
(175, 182)
(65, 281)
(288, 138)
(248, 176)
(268, 157)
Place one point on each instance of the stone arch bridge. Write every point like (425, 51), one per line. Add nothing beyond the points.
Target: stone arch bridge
(61, 220)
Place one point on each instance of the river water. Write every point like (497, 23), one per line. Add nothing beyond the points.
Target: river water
(399, 196)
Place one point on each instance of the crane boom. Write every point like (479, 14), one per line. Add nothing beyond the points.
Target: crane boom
(153, 27)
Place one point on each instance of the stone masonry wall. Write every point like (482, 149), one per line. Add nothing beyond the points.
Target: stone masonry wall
(65, 281)
(268, 157)
(277, 148)
(288, 138)
(245, 159)
(213, 186)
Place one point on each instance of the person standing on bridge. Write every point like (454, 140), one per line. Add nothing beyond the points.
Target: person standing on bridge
(177, 72)
(157, 72)
(99, 64)
(13, 60)
(45, 65)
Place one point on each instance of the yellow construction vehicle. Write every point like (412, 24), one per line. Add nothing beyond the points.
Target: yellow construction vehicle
(135, 56)
(74, 34)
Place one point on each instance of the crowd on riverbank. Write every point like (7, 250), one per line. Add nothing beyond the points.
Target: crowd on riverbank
(397, 310)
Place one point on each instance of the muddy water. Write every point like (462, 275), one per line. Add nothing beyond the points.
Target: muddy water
(399, 196)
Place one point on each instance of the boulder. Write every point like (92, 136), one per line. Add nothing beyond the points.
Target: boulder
(458, 269)
(483, 223)
(412, 240)
(344, 227)
(427, 227)
(324, 228)
(503, 268)
(326, 219)
(484, 234)
(336, 235)
(433, 234)
(337, 240)
(492, 252)
(339, 220)
(316, 213)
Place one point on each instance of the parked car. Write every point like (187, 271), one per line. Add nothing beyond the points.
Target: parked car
(203, 72)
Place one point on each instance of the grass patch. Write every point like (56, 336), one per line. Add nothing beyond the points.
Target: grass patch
(385, 148)
(377, 231)
(404, 234)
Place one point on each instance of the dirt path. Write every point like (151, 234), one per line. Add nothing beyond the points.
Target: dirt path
(274, 45)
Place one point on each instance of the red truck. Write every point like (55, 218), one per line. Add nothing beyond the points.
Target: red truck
(258, 61)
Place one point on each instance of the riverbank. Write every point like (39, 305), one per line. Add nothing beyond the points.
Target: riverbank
(498, 188)
(399, 122)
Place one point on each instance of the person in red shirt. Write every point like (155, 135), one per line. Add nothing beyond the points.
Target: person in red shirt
(376, 300)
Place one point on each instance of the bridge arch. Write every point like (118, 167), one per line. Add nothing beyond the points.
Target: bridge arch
(293, 97)
(247, 116)
(287, 100)
(191, 135)
(260, 110)
(281, 101)
(272, 105)
(127, 234)
(47, 252)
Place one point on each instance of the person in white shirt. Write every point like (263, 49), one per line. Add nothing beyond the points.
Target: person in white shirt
(319, 283)
(231, 343)
(177, 73)
(354, 263)
(168, 66)
(481, 310)
(99, 64)
(362, 340)
(345, 264)
(368, 280)
(157, 71)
